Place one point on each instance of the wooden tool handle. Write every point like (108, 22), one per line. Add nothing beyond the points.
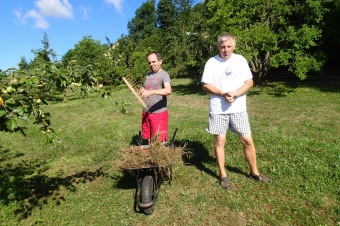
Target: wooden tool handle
(134, 92)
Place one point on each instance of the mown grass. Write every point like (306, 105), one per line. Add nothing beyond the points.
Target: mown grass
(295, 127)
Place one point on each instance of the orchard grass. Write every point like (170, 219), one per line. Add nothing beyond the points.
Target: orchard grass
(295, 128)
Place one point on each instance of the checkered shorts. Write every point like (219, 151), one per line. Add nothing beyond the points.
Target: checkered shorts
(219, 124)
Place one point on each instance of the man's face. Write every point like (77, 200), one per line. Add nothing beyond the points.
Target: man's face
(154, 63)
(226, 48)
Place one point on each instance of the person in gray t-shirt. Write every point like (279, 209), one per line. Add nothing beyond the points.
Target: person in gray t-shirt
(156, 88)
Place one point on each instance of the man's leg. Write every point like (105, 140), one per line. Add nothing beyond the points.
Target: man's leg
(219, 152)
(250, 153)
(159, 125)
(146, 127)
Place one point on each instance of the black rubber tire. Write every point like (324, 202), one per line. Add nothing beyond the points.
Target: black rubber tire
(147, 193)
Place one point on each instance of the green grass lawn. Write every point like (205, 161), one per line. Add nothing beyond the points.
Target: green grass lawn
(296, 132)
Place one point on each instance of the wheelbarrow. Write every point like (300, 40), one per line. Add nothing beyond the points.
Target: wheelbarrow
(149, 181)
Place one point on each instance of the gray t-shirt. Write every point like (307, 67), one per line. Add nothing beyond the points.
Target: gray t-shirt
(154, 81)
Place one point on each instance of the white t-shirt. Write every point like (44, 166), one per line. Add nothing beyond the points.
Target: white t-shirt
(227, 75)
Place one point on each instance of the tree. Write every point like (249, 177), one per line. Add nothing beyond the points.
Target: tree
(331, 34)
(120, 55)
(23, 65)
(178, 38)
(44, 55)
(272, 33)
(186, 47)
(145, 22)
(166, 15)
(21, 97)
(87, 63)
(86, 51)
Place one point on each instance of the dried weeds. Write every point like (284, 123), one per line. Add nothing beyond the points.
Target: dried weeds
(155, 155)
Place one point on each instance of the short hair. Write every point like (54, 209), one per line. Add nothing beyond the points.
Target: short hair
(156, 53)
(225, 37)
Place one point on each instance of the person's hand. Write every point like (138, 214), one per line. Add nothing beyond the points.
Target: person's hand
(141, 92)
(231, 96)
(228, 97)
(145, 93)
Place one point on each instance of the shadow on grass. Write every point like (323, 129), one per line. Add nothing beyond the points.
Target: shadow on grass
(25, 185)
(201, 157)
(188, 89)
(6, 153)
(125, 181)
(283, 86)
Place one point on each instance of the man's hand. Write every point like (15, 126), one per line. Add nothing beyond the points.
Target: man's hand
(231, 96)
(145, 93)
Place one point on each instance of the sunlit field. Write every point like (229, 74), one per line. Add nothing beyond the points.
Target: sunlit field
(296, 132)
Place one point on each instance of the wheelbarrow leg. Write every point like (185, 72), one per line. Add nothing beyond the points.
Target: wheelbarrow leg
(139, 141)
(137, 195)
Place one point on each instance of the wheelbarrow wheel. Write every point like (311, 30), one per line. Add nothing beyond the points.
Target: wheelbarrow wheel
(147, 193)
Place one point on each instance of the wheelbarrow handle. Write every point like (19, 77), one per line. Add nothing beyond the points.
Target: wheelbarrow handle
(139, 141)
(173, 138)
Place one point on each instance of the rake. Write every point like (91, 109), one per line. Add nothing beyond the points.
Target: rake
(133, 86)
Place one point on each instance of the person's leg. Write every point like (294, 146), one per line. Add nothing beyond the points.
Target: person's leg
(240, 125)
(220, 158)
(220, 155)
(218, 125)
(250, 153)
(146, 130)
(159, 125)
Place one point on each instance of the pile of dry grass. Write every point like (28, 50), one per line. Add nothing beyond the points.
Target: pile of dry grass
(156, 155)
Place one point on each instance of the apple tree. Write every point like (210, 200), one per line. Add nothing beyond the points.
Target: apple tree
(22, 95)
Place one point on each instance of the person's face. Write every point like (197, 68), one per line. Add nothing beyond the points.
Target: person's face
(226, 48)
(154, 63)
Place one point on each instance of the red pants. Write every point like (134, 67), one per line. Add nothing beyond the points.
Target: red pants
(155, 123)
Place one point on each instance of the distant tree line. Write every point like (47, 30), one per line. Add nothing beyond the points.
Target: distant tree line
(299, 36)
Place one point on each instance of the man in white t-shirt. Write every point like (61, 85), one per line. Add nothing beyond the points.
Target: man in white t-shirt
(227, 78)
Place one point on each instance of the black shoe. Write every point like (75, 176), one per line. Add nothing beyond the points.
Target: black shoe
(260, 178)
(225, 183)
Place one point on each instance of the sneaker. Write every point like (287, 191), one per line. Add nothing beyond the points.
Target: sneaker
(260, 178)
(225, 183)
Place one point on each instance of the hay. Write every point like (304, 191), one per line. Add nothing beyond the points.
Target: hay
(156, 155)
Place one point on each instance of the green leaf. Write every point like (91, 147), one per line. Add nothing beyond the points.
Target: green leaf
(24, 117)
(20, 111)
(11, 124)
(35, 79)
(2, 113)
